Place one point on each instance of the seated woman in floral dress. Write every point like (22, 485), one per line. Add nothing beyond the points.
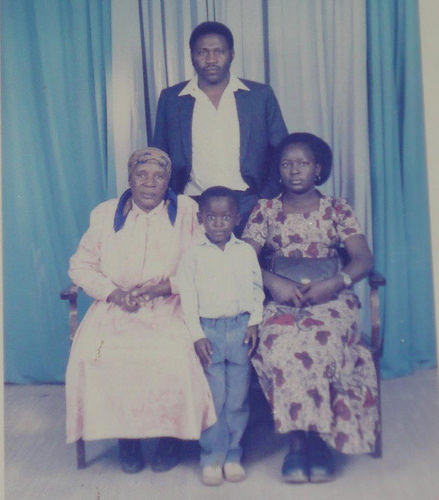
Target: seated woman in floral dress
(133, 372)
(318, 379)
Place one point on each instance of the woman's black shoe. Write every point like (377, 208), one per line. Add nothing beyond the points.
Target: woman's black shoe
(130, 455)
(167, 455)
(295, 466)
(321, 460)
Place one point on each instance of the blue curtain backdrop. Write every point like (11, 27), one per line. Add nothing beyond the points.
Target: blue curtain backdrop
(54, 59)
(399, 186)
(58, 164)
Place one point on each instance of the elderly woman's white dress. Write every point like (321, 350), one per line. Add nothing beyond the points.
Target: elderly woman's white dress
(134, 375)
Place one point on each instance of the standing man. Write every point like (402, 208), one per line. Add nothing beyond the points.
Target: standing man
(219, 129)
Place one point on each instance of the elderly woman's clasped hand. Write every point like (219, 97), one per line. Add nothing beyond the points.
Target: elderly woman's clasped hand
(124, 300)
(132, 300)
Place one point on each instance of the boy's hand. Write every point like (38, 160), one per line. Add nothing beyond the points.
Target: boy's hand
(204, 351)
(251, 337)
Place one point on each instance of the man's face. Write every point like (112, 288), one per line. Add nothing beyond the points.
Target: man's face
(212, 58)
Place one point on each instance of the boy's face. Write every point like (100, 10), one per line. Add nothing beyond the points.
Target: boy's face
(219, 216)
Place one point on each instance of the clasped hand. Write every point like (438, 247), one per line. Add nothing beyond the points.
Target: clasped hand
(132, 300)
(286, 292)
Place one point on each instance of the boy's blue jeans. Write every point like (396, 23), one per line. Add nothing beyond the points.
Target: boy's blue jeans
(229, 378)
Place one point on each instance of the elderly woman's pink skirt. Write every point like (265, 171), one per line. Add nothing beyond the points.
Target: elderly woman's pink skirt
(135, 375)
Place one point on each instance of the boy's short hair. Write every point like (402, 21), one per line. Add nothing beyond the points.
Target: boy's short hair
(218, 192)
(211, 28)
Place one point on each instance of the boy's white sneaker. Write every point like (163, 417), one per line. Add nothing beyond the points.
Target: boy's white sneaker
(212, 475)
(234, 472)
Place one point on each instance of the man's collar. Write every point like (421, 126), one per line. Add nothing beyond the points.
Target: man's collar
(236, 84)
(192, 88)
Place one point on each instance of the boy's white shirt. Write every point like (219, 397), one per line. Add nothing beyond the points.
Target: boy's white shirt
(215, 283)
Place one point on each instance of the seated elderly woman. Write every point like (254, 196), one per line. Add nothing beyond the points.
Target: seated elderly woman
(318, 379)
(133, 372)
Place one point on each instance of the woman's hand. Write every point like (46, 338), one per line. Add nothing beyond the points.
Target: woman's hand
(251, 337)
(144, 293)
(285, 291)
(124, 300)
(360, 264)
(319, 292)
(204, 350)
(148, 291)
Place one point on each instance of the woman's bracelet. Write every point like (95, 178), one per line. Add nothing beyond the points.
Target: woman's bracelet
(347, 280)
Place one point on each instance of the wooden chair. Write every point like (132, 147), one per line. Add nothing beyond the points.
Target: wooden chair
(375, 281)
(375, 343)
(71, 294)
(376, 346)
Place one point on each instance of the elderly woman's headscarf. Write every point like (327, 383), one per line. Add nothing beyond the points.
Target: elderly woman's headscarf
(125, 204)
(142, 156)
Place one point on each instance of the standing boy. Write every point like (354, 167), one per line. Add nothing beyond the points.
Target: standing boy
(221, 294)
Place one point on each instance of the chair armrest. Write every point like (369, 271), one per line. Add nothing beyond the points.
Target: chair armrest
(71, 294)
(376, 279)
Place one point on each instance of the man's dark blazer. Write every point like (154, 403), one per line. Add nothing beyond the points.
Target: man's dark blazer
(261, 129)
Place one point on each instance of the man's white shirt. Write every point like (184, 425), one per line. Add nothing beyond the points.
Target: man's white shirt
(215, 139)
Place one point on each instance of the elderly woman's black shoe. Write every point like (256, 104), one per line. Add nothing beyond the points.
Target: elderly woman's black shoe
(295, 466)
(321, 460)
(130, 455)
(167, 455)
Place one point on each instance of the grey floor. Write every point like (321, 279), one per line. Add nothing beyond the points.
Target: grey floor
(39, 465)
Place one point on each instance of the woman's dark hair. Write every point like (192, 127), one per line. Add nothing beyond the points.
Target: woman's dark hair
(218, 192)
(211, 28)
(319, 148)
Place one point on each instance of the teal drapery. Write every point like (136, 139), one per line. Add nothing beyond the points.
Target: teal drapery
(54, 60)
(399, 185)
(58, 164)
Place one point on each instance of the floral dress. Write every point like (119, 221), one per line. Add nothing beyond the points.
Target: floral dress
(312, 368)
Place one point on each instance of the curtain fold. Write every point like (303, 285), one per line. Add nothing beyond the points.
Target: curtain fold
(128, 124)
(81, 82)
(318, 70)
(399, 186)
(55, 57)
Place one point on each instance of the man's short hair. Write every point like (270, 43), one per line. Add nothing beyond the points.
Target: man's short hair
(211, 28)
(218, 192)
